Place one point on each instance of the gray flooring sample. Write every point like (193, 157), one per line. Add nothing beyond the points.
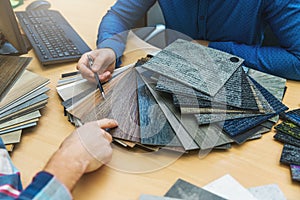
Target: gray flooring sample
(184, 190)
(195, 65)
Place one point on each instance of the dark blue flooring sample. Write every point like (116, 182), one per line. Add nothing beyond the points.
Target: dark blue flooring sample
(238, 126)
(286, 138)
(293, 116)
(290, 155)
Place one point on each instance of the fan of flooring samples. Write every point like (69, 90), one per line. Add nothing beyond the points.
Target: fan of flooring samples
(186, 97)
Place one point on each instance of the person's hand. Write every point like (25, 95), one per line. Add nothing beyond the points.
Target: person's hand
(104, 64)
(85, 150)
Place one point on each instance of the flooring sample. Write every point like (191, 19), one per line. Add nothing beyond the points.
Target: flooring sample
(289, 128)
(249, 134)
(24, 108)
(295, 170)
(68, 91)
(24, 118)
(12, 137)
(293, 116)
(268, 124)
(11, 67)
(225, 98)
(19, 127)
(235, 94)
(19, 124)
(229, 188)
(194, 65)
(25, 85)
(290, 155)
(267, 192)
(184, 190)
(120, 104)
(238, 126)
(206, 137)
(77, 98)
(154, 126)
(287, 139)
(24, 99)
(274, 84)
(185, 138)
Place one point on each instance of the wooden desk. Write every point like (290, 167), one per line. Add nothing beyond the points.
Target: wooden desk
(254, 163)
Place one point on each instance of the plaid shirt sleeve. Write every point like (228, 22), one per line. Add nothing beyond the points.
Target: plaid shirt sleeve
(43, 186)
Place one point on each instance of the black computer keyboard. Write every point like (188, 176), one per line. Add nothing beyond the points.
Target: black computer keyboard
(51, 36)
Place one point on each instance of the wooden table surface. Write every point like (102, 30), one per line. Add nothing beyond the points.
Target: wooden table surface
(253, 164)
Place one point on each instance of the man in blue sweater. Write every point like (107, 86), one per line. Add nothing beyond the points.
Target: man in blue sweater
(233, 26)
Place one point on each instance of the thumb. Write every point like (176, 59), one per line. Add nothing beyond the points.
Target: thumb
(107, 123)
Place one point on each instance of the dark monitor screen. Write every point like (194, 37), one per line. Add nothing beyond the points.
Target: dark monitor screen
(12, 41)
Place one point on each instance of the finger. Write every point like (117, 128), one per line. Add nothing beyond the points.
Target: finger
(85, 71)
(107, 123)
(99, 65)
(107, 136)
(105, 76)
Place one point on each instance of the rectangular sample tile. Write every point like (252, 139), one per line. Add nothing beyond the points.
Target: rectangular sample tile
(267, 192)
(186, 140)
(295, 170)
(229, 188)
(286, 138)
(25, 85)
(120, 104)
(12, 137)
(11, 68)
(184, 190)
(194, 65)
(154, 126)
(289, 128)
(290, 155)
(293, 116)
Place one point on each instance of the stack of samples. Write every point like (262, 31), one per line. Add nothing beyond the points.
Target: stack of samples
(186, 97)
(288, 132)
(19, 107)
(222, 188)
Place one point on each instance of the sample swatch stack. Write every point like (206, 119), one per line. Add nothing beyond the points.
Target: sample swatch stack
(288, 132)
(186, 97)
(21, 98)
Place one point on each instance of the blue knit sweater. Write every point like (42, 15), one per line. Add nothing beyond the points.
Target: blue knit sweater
(233, 26)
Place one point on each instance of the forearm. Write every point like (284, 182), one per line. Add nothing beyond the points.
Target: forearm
(273, 60)
(68, 171)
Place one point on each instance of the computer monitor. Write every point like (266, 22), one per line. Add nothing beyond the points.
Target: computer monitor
(15, 43)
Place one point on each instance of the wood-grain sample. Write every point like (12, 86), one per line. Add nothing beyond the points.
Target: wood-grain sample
(25, 85)
(195, 65)
(11, 67)
(120, 104)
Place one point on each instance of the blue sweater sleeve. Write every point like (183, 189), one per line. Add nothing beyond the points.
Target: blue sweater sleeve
(119, 19)
(282, 61)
